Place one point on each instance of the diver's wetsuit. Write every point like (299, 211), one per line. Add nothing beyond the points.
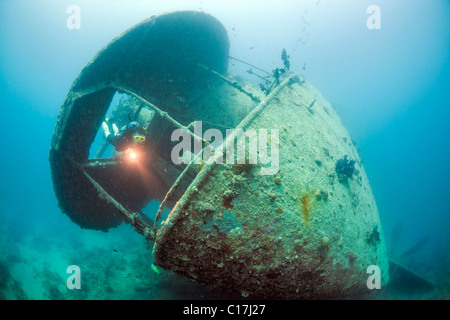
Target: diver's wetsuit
(124, 138)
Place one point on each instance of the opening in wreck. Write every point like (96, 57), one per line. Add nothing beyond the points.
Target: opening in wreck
(122, 109)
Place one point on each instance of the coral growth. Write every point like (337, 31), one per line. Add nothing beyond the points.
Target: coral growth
(345, 168)
(325, 241)
(373, 237)
(272, 196)
(322, 195)
(352, 257)
(227, 197)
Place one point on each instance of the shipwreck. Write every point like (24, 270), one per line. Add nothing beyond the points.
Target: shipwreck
(310, 230)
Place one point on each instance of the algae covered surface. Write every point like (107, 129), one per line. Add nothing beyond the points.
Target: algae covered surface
(262, 234)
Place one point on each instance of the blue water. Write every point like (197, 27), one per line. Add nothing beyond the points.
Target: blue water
(389, 86)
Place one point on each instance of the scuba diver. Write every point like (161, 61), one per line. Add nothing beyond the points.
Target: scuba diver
(131, 136)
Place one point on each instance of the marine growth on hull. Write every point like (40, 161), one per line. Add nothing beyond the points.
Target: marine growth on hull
(266, 191)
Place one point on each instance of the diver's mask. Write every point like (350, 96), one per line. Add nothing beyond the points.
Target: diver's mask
(138, 138)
